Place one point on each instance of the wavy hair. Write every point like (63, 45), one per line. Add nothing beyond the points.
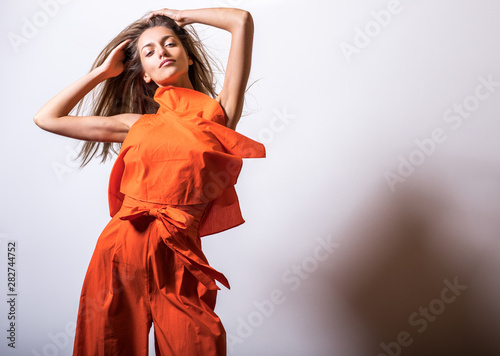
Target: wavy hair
(128, 92)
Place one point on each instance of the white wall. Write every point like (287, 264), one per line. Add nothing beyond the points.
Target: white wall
(335, 257)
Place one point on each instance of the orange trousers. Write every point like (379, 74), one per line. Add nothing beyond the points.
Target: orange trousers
(147, 268)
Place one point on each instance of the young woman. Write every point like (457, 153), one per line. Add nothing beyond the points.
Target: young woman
(172, 182)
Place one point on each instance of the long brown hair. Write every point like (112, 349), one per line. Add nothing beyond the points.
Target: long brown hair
(128, 92)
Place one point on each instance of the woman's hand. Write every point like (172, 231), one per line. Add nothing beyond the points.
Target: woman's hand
(175, 15)
(113, 65)
(240, 24)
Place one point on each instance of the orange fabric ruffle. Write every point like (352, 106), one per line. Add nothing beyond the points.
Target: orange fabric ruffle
(182, 155)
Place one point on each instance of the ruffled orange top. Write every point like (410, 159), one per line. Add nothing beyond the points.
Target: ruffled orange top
(183, 155)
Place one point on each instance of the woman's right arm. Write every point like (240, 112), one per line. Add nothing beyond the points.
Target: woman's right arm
(53, 116)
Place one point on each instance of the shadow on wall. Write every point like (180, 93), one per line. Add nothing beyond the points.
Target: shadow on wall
(419, 269)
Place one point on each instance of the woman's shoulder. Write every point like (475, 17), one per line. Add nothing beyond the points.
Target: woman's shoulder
(128, 119)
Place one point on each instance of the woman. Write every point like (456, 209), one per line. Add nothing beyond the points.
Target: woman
(172, 182)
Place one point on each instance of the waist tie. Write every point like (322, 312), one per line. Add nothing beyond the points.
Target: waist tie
(171, 222)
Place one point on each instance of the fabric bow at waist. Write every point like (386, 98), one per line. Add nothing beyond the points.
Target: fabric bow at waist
(171, 223)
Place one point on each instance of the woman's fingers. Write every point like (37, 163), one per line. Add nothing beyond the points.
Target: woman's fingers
(173, 14)
(118, 53)
(114, 64)
(165, 12)
(122, 45)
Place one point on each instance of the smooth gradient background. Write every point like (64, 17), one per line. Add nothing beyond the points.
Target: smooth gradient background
(373, 224)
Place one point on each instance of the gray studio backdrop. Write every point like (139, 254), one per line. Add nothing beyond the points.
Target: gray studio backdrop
(373, 224)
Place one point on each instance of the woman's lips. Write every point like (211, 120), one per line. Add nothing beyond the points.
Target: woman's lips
(166, 62)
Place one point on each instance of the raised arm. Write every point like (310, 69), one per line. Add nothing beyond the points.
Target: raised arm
(240, 24)
(53, 116)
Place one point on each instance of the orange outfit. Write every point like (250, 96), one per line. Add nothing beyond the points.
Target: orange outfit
(173, 182)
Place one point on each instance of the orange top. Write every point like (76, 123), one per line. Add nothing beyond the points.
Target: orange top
(183, 155)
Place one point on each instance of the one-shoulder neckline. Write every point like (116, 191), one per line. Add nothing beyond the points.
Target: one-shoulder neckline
(190, 90)
(182, 88)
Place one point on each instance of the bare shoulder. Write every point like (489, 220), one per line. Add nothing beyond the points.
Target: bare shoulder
(90, 128)
(127, 119)
(228, 106)
(222, 103)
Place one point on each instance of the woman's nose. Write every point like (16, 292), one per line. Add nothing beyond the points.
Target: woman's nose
(163, 51)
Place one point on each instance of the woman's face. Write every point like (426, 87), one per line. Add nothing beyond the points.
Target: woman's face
(163, 58)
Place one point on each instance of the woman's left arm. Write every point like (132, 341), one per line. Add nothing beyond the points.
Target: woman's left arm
(240, 24)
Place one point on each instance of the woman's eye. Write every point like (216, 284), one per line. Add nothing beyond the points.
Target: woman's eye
(169, 44)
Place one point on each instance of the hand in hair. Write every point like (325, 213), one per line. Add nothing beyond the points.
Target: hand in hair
(113, 65)
(175, 15)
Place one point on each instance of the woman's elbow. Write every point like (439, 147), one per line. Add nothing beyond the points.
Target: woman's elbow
(42, 122)
(36, 120)
(241, 18)
(246, 19)
(39, 121)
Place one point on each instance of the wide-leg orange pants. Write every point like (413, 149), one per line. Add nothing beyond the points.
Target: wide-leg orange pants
(147, 268)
